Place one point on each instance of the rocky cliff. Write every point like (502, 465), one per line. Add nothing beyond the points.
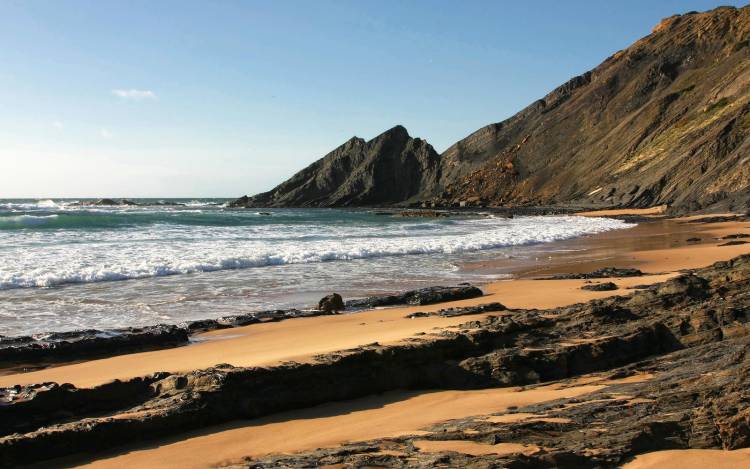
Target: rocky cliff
(389, 169)
(664, 121)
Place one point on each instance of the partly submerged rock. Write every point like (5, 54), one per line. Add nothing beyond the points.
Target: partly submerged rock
(332, 303)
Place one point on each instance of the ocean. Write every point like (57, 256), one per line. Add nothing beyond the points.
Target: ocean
(64, 266)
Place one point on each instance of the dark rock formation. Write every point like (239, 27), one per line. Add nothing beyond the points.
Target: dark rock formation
(106, 202)
(61, 346)
(690, 332)
(42, 350)
(389, 169)
(332, 303)
(685, 405)
(733, 243)
(424, 214)
(605, 272)
(664, 121)
(460, 311)
(422, 296)
(605, 286)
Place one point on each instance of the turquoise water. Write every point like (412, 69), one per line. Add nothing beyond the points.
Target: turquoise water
(65, 266)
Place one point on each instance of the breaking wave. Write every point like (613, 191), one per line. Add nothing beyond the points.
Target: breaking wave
(218, 244)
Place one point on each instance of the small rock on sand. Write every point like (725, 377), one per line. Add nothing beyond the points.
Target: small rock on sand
(331, 303)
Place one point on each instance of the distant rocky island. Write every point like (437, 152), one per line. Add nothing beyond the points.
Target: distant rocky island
(663, 122)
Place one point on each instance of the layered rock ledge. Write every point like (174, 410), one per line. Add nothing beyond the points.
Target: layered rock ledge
(43, 349)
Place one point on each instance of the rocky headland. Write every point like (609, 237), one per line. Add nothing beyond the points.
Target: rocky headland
(664, 121)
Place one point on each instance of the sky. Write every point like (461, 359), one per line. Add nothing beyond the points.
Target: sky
(224, 98)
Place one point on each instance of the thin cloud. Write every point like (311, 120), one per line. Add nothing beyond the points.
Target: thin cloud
(58, 125)
(105, 133)
(135, 95)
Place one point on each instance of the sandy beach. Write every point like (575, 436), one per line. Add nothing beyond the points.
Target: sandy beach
(387, 415)
(396, 412)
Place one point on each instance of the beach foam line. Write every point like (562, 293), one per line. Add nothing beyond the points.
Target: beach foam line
(478, 235)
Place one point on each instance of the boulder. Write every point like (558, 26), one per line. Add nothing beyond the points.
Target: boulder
(331, 303)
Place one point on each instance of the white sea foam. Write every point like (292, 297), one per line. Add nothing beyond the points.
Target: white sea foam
(47, 204)
(84, 257)
(26, 220)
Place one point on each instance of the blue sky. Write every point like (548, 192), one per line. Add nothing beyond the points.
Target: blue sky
(222, 98)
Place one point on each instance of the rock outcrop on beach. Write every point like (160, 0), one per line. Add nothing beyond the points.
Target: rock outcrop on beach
(45, 349)
(389, 169)
(664, 121)
(674, 356)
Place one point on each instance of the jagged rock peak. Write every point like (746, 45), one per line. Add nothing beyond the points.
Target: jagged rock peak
(389, 169)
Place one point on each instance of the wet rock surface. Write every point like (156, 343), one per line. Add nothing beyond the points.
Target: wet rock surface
(61, 346)
(688, 336)
(605, 272)
(422, 296)
(41, 350)
(605, 286)
(463, 311)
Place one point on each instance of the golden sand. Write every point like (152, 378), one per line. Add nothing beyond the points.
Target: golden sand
(387, 415)
(692, 459)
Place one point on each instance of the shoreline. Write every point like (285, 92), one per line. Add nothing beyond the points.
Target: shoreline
(270, 343)
(29, 352)
(307, 341)
(186, 286)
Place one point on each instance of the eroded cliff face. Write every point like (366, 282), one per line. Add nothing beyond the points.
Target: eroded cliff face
(664, 121)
